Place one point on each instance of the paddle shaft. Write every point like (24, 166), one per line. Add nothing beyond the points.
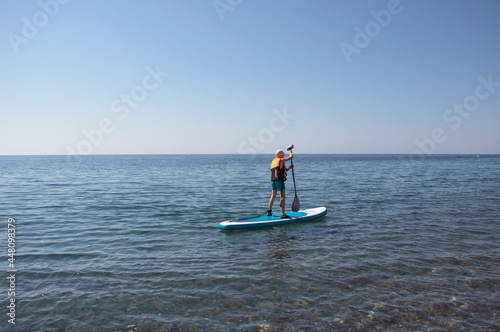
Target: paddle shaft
(293, 176)
(296, 202)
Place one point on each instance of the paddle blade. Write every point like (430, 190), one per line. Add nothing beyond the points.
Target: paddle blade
(295, 204)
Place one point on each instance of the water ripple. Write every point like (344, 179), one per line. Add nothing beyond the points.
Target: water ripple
(120, 243)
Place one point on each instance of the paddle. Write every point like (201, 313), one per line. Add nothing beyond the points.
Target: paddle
(295, 203)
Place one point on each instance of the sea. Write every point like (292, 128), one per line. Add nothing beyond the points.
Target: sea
(131, 243)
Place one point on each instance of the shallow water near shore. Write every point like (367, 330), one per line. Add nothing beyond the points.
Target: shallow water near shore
(131, 242)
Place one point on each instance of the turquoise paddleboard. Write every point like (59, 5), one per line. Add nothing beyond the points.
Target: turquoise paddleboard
(274, 220)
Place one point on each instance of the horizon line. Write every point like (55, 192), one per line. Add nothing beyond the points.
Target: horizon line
(242, 154)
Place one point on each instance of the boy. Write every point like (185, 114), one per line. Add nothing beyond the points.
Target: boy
(278, 178)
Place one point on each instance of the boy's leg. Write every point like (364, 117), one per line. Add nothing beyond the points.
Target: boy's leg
(282, 202)
(271, 201)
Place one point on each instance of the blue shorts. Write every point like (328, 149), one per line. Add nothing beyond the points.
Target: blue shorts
(278, 185)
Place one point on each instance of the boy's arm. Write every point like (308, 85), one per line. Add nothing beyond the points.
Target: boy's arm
(289, 157)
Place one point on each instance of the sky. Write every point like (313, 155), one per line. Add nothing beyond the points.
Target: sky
(246, 76)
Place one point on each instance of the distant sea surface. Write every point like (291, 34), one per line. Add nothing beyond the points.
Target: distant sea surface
(131, 243)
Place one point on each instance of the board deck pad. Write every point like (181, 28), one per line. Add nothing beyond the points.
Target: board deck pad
(274, 220)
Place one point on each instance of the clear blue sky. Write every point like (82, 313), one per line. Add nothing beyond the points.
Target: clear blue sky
(249, 76)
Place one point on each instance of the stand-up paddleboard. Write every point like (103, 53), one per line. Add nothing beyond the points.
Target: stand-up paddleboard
(274, 220)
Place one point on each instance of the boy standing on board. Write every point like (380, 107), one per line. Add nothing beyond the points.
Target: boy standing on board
(278, 178)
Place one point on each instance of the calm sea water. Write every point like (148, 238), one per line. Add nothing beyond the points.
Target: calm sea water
(131, 243)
